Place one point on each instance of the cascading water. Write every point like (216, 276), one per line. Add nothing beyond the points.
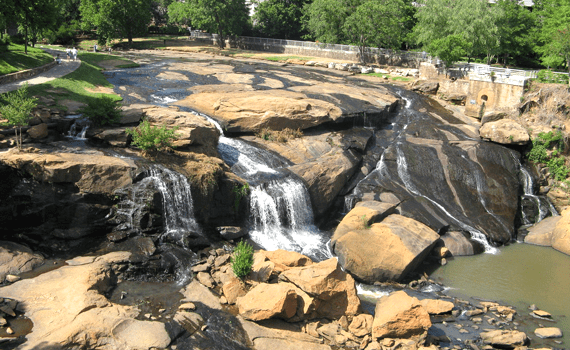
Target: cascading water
(79, 127)
(281, 211)
(544, 206)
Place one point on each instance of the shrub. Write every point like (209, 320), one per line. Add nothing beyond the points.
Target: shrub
(239, 193)
(153, 138)
(242, 260)
(548, 76)
(281, 136)
(102, 111)
(546, 149)
(17, 109)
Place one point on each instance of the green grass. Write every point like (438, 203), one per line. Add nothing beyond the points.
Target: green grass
(285, 58)
(74, 85)
(380, 75)
(13, 59)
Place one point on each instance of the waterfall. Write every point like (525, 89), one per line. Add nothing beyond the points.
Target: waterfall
(178, 211)
(544, 206)
(280, 205)
(79, 128)
(404, 175)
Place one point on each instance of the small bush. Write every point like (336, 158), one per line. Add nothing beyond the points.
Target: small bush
(546, 149)
(242, 260)
(103, 111)
(280, 136)
(16, 110)
(153, 138)
(239, 193)
(548, 76)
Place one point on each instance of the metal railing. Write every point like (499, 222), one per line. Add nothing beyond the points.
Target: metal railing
(269, 42)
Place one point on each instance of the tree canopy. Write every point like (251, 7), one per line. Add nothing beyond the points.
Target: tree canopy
(223, 17)
(116, 18)
(279, 18)
(554, 35)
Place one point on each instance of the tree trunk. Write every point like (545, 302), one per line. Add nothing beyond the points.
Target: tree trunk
(505, 58)
(26, 40)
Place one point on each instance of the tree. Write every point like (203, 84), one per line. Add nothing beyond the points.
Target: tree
(449, 49)
(223, 17)
(17, 109)
(116, 18)
(514, 25)
(33, 16)
(473, 20)
(279, 18)
(324, 19)
(554, 35)
(379, 23)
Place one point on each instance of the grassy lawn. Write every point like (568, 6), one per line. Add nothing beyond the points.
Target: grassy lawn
(76, 85)
(285, 58)
(13, 59)
(395, 78)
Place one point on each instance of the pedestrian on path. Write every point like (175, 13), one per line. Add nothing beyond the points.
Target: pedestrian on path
(95, 48)
(68, 53)
(74, 53)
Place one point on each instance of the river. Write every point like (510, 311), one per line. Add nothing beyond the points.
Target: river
(519, 275)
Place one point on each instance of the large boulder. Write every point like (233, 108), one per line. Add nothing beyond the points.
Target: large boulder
(541, 233)
(561, 233)
(265, 301)
(333, 289)
(69, 309)
(399, 316)
(459, 245)
(427, 87)
(506, 132)
(362, 216)
(385, 251)
(16, 259)
(90, 173)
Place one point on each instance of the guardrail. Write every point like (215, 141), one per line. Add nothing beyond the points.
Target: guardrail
(268, 43)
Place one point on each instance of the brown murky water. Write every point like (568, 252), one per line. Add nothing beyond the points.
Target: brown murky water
(520, 275)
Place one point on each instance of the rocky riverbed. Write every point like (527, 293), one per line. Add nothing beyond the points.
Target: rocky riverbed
(144, 240)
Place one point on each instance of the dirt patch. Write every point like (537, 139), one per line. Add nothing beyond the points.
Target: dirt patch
(72, 106)
(100, 90)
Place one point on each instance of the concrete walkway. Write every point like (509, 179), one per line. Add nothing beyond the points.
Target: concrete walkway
(57, 71)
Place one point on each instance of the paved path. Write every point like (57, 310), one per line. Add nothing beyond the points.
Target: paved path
(57, 71)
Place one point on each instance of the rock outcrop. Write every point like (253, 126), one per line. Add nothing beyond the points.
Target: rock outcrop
(383, 251)
(561, 233)
(16, 259)
(505, 131)
(399, 316)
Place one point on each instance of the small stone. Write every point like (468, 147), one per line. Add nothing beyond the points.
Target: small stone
(340, 339)
(463, 330)
(473, 312)
(548, 332)
(204, 327)
(311, 329)
(374, 346)
(9, 330)
(187, 306)
(147, 315)
(223, 300)
(12, 278)
(161, 310)
(388, 342)
(3, 321)
(477, 319)
(343, 321)
(365, 341)
(532, 307)
(541, 313)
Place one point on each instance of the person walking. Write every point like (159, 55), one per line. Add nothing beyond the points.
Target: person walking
(68, 53)
(74, 53)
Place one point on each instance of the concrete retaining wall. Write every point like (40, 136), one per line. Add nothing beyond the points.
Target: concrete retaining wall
(25, 74)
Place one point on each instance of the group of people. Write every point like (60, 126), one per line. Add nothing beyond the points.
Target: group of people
(71, 53)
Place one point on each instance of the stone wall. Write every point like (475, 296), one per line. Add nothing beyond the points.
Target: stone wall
(8, 78)
(499, 97)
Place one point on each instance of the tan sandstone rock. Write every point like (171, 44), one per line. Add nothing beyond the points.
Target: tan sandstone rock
(399, 316)
(541, 233)
(504, 338)
(265, 301)
(361, 217)
(505, 131)
(38, 131)
(361, 325)
(91, 173)
(548, 332)
(436, 306)
(333, 288)
(387, 250)
(561, 233)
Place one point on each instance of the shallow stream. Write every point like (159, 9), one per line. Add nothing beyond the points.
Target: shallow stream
(519, 275)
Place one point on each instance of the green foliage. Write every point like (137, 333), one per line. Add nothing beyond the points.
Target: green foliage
(224, 17)
(116, 18)
(364, 224)
(279, 19)
(63, 35)
(242, 259)
(548, 76)
(153, 138)
(17, 108)
(13, 58)
(239, 193)
(358, 22)
(449, 49)
(553, 42)
(102, 111)
(546, 149)
(514, 28)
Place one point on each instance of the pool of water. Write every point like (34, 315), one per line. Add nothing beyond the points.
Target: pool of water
(519, 275)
